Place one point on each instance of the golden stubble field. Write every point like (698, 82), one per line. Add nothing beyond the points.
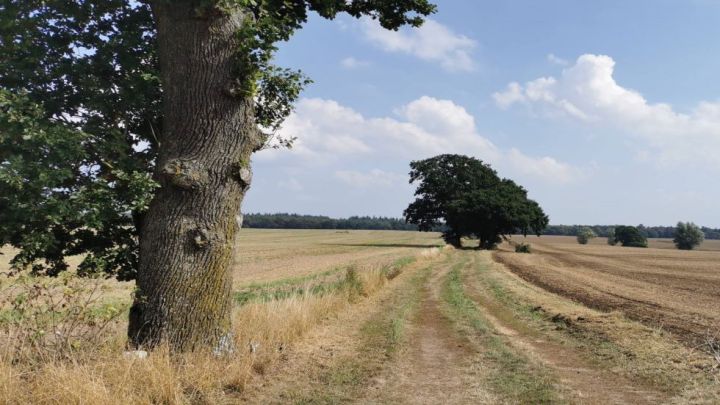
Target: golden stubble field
(675, 290)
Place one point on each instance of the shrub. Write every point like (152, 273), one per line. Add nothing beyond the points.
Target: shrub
(630, 236)
(688, 236)
(52, 318)
(611, 240)
(584, 235)
(523, 248)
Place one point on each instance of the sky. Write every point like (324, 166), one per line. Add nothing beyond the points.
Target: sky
(607, 112)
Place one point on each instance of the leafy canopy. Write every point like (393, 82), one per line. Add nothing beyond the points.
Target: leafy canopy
(688, 236)
(80, 114)
(471, 200)
(584, 235)
(630, 236)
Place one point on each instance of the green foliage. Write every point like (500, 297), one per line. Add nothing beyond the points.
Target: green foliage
(630, 236)
(523, 248)
(606, 230)
(584, 235)
(55, 202)
(611, 239)
(81, 112)
(296, 221)
(688, 236)
(469, 197)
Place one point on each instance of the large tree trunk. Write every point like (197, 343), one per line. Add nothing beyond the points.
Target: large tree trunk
(184, 282)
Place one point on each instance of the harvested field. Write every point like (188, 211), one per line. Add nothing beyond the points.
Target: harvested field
(674, 290)
(374, 317)
(267, 255)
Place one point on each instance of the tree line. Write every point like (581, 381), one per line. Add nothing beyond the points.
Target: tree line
(664, 232)
(298, 221)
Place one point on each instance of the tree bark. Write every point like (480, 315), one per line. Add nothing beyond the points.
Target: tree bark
(184, 281)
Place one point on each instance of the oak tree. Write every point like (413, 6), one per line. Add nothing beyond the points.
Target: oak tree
(127, 134)
(468, 197)
(630, 236)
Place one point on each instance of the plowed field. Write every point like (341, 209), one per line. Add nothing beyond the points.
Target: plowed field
(678, 291)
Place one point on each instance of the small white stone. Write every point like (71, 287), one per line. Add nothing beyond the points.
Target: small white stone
(136, 354)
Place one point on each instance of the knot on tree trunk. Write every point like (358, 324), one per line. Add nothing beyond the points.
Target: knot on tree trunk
(185, 174)
(243, 174)
(200, 238)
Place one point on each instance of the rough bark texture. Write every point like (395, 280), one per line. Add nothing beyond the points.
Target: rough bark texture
(184, 282)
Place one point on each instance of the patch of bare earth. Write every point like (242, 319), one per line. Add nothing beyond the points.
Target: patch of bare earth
(580, 380)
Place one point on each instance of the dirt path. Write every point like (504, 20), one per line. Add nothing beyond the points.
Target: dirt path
(433, 362)
(438, 366)
(582, 381)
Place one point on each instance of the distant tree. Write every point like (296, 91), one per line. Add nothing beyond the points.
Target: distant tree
(469, 197)
(688, 236)
(584, 235)
(611, 240)
(630, 236)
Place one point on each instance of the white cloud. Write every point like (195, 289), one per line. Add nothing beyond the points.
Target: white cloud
(546, 167)
(588, 92)
(330, 134)
(353, 63)
(431, 42)
(373, 178)
(555, 60)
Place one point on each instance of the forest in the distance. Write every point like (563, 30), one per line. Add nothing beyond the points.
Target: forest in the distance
(297, 221)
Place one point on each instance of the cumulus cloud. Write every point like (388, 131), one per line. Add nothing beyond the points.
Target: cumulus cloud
(431, 42)
(588, 92)
(373, 178)
(330, 134)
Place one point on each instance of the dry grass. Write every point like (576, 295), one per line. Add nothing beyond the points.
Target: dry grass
(104, 375)
(100, 373)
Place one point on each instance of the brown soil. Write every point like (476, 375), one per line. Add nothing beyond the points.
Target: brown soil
(580, 380)
(675, 290)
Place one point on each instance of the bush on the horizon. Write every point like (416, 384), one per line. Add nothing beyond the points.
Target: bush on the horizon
(611, 239)
(630, 236)
(584, 235)
(688, 236)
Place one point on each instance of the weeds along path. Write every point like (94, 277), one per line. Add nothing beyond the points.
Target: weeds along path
(581, 380)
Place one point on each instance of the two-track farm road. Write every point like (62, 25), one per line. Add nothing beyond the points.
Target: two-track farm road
(450, 330)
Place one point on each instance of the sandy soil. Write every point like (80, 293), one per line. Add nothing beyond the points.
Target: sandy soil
(675, 290)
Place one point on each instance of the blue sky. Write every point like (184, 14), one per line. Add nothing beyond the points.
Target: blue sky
(606, 111)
